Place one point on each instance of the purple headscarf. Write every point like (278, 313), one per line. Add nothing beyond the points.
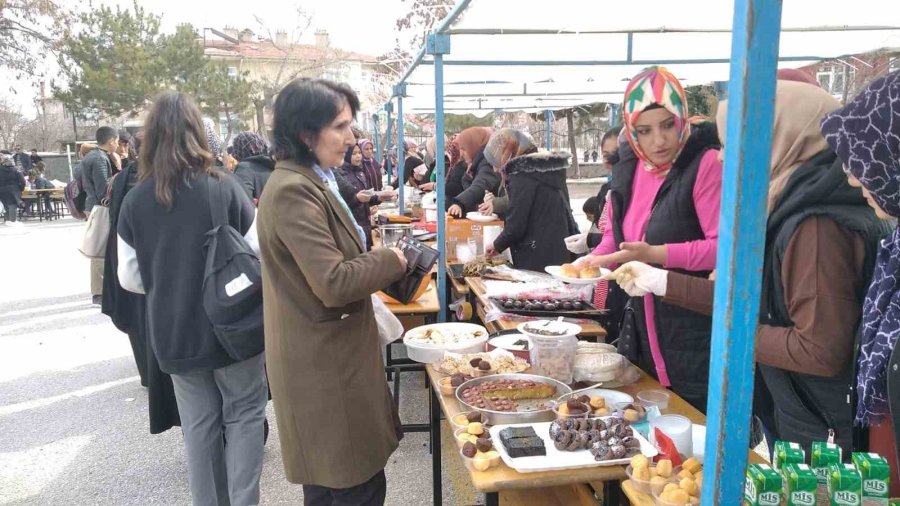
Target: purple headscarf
(865, 134)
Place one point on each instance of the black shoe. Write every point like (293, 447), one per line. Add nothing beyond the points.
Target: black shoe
(97, 300)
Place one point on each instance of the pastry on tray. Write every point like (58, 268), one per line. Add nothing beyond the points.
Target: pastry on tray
(517, 389)
(569, 270)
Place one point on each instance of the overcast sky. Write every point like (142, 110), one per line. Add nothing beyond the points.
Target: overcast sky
(363, 26)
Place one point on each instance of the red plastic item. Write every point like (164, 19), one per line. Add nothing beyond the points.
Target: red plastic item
(666, 448)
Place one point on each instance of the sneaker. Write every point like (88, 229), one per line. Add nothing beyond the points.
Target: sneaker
(97, 300)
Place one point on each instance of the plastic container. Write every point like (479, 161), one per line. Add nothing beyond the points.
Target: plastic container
(621, 407)
(560, 416)
(481, 462)
(554, 357)
(430, 353)
(446, 387)
(658, 398)
(646, 486)
(659, 501)
(459, 420)
(460, 441)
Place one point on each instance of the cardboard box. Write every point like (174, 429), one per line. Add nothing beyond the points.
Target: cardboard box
(763, 486)
(787, 453)
(876, 476)
(821, 456)
(461, 231)
(800, 485)
(844, 485)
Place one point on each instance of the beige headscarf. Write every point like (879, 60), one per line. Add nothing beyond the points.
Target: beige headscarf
(799, 108)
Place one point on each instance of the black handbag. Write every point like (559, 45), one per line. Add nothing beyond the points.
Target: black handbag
(420, 259)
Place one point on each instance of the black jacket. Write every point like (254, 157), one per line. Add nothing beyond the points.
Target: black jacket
(539, 217)
(476, 182)
(96, 169)
(807, 406)
(453, 186)
(170, 251)
(128, 313)
(594, 238)
(352, 180)
(253, 172)
(684, 336)
(12, 182)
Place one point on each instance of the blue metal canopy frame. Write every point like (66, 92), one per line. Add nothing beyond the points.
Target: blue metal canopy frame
(754, 57)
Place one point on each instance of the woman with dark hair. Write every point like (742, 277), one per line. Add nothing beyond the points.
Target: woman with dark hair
(162, 232)
(480, 177)
(356, 192)
(664, 209)
(254, 163)
(539, 217)
(322, 344)
(128, 312)
(12, 183)
(370, 165)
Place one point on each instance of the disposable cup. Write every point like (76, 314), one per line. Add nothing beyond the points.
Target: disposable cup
(678, 428)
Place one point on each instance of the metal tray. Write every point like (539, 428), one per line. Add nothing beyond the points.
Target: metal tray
(600, 315)
(506, 417)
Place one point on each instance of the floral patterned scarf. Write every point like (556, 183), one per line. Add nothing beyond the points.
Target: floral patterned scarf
(865, 134)
(655, 86)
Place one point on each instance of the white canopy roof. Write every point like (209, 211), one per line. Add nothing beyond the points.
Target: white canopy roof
(532, 55)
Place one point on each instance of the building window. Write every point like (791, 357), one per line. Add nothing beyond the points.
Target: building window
(232, 71)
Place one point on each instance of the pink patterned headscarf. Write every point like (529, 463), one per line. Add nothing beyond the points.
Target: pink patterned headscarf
(655, 86)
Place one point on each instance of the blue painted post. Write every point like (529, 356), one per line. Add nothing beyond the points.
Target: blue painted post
(375, 138)
(400, 91)
(389, 108)
(748, 141)
(614, 114)
(437, 45)
(548, 120)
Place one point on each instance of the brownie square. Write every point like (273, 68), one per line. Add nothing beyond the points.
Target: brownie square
(525, 447)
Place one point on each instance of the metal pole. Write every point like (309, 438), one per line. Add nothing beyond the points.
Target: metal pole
(401, 184)
(375, 138)
(548, 120)
(69, 158)
(754, 53)
(389, 108)
(437, 46)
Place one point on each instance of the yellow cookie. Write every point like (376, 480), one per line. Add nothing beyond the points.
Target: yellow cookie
(641, 473)
(639, 461)
(475, 428)
(664, 468)
(689, 486)
(676, 497)
(684, 473)
(657, 484)
(693, 465)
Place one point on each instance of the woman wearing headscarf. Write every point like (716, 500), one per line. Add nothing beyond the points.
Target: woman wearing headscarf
(821, 243)
(370, 165)
(480, 177)
(212, 140)
(354, 189)
(539, 217)
(429, 179)
(456, 169)
(254, 163)
(664, 210)
(866, 136)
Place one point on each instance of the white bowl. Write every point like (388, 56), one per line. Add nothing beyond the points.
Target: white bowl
(565, 329)
(430, 353)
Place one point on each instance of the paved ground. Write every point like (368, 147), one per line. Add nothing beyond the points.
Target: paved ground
(73, 416)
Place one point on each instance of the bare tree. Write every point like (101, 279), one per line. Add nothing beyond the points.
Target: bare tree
(11, 123)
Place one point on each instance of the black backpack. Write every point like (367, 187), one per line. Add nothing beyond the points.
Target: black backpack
(232, 283)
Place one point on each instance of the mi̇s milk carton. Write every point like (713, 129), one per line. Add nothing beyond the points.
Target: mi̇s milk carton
(875, 473)
(821, 456)
(800, 485)
(763, 486)
(787, 453)
(844, 485)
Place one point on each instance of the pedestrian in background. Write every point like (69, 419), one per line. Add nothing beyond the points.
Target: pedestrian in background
(12, 183)
(96, 169)
(255, 165)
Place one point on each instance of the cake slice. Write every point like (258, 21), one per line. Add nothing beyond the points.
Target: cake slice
(517, 390)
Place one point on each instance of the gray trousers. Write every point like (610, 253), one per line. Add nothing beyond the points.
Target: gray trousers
(230, 401)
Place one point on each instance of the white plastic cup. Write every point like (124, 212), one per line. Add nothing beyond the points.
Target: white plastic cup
(678, 428)
(464, 253)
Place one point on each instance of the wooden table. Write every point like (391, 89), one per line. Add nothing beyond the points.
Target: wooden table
(504, 478)
(427, 308)
(40, 196)
(480, 301)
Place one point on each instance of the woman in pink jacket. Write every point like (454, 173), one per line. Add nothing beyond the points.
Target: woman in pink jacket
(664, 210)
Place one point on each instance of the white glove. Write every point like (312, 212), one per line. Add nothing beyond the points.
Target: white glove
(577, 243)
(639, 279)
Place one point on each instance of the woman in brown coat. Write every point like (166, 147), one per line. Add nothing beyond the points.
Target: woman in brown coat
(336, 419)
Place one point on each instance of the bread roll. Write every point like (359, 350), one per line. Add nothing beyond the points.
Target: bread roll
(569, 270)
(589, 272)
